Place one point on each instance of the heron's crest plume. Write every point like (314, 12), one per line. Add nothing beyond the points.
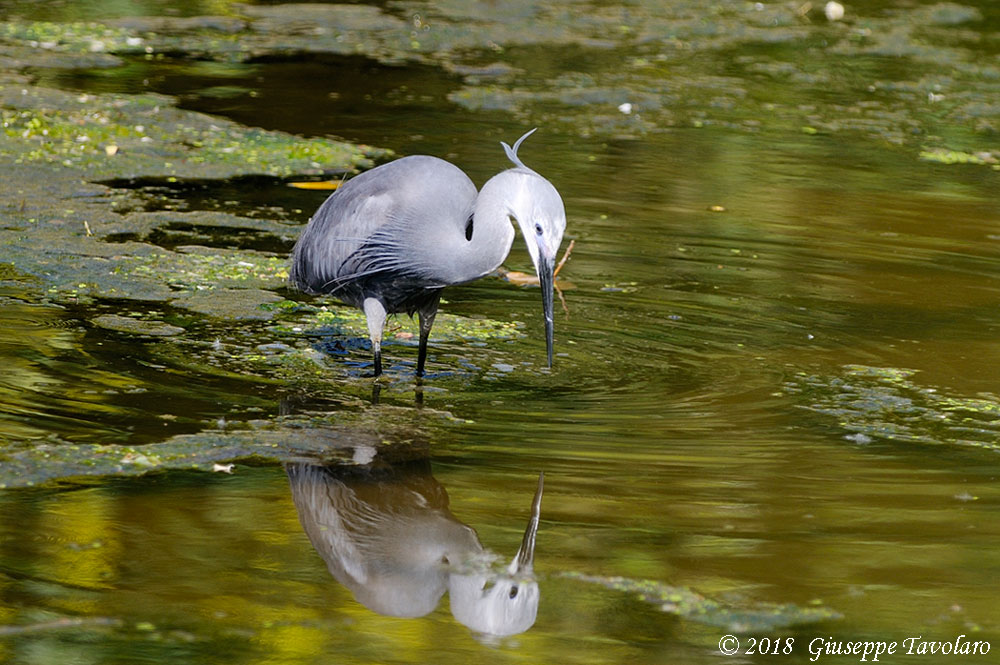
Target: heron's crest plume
(512, 152)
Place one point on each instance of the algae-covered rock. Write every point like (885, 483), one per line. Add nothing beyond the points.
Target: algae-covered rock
(199, 268)
(134, 326)
(341, 437)
(73, 267)
(692, 606)
(304, 319)
(76, 37)
(885, 403)
(130, 135)
(57, 220)
(233, 304)
(945, 156)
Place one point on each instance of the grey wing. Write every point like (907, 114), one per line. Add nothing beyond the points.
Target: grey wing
(381, 222)
(360, 543)
(326, 509)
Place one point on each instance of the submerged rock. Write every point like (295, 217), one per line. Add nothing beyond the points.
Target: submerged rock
(233, 304)
(884, 403)
(692, 606)
(136, 326)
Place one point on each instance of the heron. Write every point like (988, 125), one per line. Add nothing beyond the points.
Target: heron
(388, 536)
(390, 239)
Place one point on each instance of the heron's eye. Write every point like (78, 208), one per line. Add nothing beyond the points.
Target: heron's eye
(468, 229)
(513, 592)
(538, 229)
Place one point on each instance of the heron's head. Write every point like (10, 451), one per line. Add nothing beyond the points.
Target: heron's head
(534, 205)
(504, 602)
(494, 605)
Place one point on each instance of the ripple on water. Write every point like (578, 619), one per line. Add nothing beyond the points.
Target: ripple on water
(68, 380)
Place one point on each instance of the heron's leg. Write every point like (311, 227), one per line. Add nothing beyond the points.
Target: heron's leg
(426, 316)
(375, 315)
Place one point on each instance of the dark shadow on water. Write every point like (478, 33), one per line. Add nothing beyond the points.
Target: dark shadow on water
(247, 195)
(178, 234)
(345, 96)
(269, 199)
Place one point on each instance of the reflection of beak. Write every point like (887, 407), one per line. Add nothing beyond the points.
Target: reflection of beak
(526, 554)
(546, 279)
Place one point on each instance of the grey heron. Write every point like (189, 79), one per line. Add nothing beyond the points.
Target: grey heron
(390, 239)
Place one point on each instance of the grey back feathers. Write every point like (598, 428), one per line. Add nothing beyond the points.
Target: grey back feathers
(384, 231)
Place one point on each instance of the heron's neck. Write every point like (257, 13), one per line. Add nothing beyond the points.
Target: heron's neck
(492, 231)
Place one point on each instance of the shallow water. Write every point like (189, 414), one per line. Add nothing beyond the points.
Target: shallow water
(715, 420)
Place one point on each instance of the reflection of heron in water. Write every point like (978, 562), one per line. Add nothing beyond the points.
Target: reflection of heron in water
(387, 535)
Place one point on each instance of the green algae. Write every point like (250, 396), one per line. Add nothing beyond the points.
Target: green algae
(196, 227)
(229, 304)
(300, 349)
(72, 267)
(9, 273)
(119, 134)
(945, 156)
(304, 340)
(750, 67)
(72, 37)
(199, 269)
(309, 333)
(886, 403)
(692, 606)
(341, 437)
(304, 319)
(136, 326)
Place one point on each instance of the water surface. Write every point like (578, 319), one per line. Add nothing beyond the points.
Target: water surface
(775, 383)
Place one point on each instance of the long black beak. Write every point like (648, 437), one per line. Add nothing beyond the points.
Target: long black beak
(526, 554)
(546, 279)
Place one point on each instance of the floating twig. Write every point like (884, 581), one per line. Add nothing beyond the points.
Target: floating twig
(320, 184)
(524, 279)
(565, 257)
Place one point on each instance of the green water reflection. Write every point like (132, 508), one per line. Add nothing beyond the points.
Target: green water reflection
(776, 382)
